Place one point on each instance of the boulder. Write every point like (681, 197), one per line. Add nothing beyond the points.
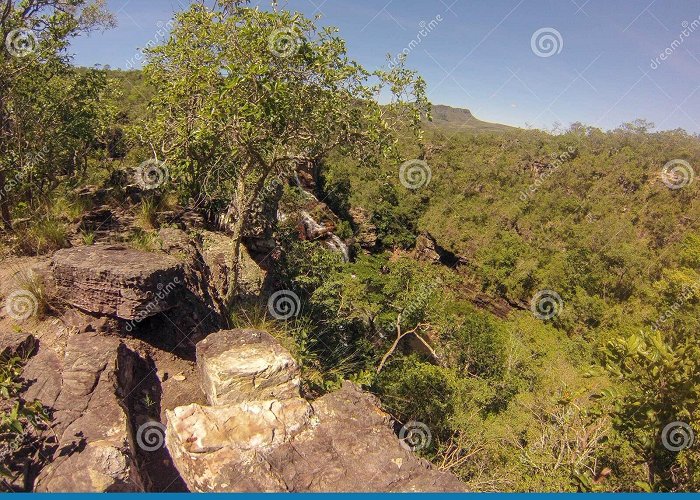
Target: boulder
(240, 365)
(93, 453)
(221, 448)
(117, 281)
(217, 249)
(426, 249)
(98, 219)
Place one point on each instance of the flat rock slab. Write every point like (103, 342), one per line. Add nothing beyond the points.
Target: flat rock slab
(354, 449)
(113, 280)
(93, 452)
(239, 365)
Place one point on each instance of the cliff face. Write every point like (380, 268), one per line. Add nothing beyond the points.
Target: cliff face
(144, 392)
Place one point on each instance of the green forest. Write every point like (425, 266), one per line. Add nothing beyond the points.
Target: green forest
(531, 298)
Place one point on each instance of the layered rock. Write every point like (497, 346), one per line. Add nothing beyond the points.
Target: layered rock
(222, 448)
(259, 435)
(353, 448)
(92, 453)
(244, 365)
(117, 281)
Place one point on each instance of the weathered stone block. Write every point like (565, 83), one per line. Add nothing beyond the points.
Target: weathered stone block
(240, 365)
(221, 448)
(117, 281)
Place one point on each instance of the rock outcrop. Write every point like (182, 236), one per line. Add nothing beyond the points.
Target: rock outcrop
(216, 255)
(366, 233)
(428, 250)
(112, 280)
(352, 448)
(222, 448)
(260, 435)
(247, 430)
(93, 452)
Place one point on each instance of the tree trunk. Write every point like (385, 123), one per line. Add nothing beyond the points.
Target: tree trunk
(5, 133)
(651, 471)
(234, 263)
(4, 206)
(237, 236)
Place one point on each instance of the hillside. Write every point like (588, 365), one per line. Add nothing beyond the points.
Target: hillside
(238, 271)
(446, 117)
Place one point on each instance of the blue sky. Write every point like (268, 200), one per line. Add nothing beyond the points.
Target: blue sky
(598, 61)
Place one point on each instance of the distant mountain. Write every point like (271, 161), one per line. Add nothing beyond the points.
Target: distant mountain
(449, 117)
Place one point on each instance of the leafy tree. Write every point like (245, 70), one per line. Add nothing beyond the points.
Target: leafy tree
(33, 69)
(245, 95)
(660, 385)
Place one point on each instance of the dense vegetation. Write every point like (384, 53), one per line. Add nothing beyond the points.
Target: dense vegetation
(570, 390)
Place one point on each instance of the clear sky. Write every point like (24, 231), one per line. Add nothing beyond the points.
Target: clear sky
(519, 62)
